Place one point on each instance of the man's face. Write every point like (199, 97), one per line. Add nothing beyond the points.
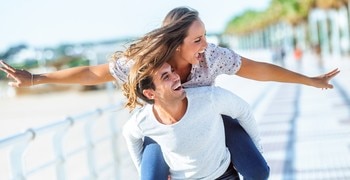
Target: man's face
(168, 86)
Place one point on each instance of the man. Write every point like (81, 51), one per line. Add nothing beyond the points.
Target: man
(187, 124)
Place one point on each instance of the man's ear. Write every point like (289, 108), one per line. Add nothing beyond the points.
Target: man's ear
(149, 93)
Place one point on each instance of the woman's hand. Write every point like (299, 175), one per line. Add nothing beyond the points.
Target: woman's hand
(322, 81)
(20, 78)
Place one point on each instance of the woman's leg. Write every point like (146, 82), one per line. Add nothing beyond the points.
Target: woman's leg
(245, 157)
(153, 165)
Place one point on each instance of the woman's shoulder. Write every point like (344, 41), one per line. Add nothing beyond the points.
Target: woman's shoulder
(119, 68)
(214, 51)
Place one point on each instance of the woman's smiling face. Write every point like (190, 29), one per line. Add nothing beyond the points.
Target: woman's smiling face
(194, 45)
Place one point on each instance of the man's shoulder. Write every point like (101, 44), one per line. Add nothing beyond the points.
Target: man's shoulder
(141, 114)
(205, 89)
(198, 90)
(206, 92)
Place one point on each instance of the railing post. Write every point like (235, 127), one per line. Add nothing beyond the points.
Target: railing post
(93, 173)
(59, 152)
(16, 156)
(114, 145)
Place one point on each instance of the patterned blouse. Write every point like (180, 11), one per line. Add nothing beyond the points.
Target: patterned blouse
(217, 61)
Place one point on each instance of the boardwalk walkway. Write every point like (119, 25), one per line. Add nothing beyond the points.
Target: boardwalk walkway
(305, 131)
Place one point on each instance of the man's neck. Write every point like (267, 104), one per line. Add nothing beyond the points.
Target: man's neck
(170, 113)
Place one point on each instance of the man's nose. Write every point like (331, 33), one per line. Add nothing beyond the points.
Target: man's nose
(175, 76)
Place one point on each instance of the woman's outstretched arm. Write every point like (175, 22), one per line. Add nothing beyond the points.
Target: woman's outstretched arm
(84, 75)
(262, 71)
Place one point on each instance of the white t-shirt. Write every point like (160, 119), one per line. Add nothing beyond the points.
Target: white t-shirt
(194, 147)
(217, 61)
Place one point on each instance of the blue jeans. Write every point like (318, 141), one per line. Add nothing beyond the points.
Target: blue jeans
(153, 165)
(245, 157)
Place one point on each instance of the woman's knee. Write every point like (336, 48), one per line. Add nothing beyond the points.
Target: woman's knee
(153, 165)
(152, 151)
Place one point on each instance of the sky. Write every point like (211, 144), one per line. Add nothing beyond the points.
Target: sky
(40, 23)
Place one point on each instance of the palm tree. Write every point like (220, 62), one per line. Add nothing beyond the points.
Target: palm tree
(292, 11)
(328, 4)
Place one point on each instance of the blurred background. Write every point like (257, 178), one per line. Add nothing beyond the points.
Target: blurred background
(305, 131)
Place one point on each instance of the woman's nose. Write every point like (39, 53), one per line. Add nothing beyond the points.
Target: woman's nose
(205, 43)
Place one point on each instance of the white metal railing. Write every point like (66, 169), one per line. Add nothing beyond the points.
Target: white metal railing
(98, 127)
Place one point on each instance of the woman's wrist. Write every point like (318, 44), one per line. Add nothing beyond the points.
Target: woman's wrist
(36, 78)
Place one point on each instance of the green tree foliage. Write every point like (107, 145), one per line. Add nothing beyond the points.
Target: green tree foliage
(290, 11)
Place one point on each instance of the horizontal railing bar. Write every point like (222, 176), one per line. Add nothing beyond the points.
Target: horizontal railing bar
(101, 139)
(76, 151)
(69, 154)
(54, 126)
(70, 120)
(20, 137)
(41, 167)
(105, 167)
(84, 147)
(32, 132)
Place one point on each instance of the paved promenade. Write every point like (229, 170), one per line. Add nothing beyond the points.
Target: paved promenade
(305, 131)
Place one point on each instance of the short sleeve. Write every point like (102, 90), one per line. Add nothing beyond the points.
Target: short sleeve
(217, 60)
(120, 68)
(222, 60)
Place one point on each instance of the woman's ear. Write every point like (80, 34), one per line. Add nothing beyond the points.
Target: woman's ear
(178, 48)
(149, 93)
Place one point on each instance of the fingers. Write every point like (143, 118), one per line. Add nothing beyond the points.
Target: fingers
(10, 71)
(19, 77)
(333, 73)
(7, 68)
(2, 63)
(13, 84)
(330, 74)
(329, 86)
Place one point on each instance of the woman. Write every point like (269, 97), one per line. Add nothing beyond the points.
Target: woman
(182, 39)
